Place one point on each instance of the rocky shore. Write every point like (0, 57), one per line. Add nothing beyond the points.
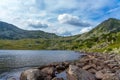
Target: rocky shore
(92, 66)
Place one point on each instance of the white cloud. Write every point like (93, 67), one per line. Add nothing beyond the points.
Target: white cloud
(66, 18)
(37, 24)
(85, 29)
(72, 20)
(62, 31)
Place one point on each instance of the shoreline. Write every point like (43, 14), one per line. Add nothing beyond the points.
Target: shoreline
(91, 66)
(11, 71)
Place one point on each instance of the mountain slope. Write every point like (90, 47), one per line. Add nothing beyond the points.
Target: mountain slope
(9, 31)
(108, 26)
(103, 38)
(111, 25)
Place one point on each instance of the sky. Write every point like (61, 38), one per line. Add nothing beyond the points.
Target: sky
(62, 17)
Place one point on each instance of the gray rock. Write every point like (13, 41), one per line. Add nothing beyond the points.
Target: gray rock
(110, 76)
(99, 75)
(93, 71)
(75, 73)
(60, 68)
(49, 70)
(118, 74)
(34, 74)
(11, 78)
(31, 74)
(89, 66)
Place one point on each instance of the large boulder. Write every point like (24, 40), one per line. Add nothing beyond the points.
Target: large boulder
(99, 75)
(34, 74)
(49, 71)
(31, 74)
(75, 73)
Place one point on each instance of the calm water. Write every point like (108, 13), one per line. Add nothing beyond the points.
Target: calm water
(12, 62)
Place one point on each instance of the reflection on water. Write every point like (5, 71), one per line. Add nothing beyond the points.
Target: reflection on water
(15, 59)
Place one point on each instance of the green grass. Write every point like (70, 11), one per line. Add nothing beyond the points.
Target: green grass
(103, 43)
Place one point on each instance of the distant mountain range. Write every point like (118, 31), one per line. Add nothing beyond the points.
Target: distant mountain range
(9, 31)
(103, 38)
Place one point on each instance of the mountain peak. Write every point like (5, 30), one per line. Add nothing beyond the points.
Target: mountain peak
(112, 19)
(108, 26)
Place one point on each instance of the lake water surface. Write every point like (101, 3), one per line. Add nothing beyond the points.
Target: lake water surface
(13, 62)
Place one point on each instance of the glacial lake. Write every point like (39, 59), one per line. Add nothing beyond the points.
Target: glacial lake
(13, 62)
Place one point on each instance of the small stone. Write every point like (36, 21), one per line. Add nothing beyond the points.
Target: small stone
(89, 66)
(99, 75)
(112, 65)
(118, 74)
(110, 76)
(60, 68)
(93, 71)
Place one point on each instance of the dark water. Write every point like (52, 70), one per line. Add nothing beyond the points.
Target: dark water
(13, 62)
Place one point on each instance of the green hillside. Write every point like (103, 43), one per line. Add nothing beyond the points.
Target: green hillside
(103, 38)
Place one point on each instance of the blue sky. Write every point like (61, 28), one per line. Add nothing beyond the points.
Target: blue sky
(63, 17)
